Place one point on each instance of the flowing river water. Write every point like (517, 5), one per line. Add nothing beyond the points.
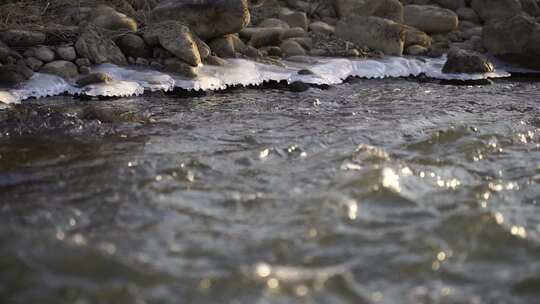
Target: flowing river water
(373, 191)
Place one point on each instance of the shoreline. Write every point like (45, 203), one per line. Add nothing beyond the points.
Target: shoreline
(186, 42)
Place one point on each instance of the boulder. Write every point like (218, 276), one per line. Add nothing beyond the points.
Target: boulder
(22, 38)
(62, 68)
(531, 7)
(223, 47)
(374, 32)
(7, 54)
(389, 9)
(430, 19)
(464, 61)
(215, 60)
(292, 48)
(204, 49)
(13, 74)
(66, 53)
(98, 48)
(175, 38)
(108, 18)
(322, 27)
(496, 9)
(206, 18)
(133, 45)
(515, 40)
(44, 54)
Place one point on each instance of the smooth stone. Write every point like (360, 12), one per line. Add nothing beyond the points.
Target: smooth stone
(496, 9)
(374, 32)
(291, 48)
(322, 27)
(430, 19)
(62, 68)
(266, 37)
(82, 62)
(296, 19)
(66, 53)
(133, 45)
(223, 47)
(294, 32)
(416, 37)
(44, 54)
(416, 50)
(274, 22)
(177, 66)
(34, 63)
(388, 9)
(215, 60)
(13, 74)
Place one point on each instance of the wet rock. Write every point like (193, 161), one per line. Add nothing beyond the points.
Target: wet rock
(321, 27)
(13, 74)
(374, 32)
(416, 50)
(215, 60)
(531, 7)
(223, 47)
(298, 86)
(430, 19)
(177, 66)
(175, 38)
(7, 55)
(94, 78)
(296, 19)
(496, 9)
(44, 54)
(292, 48)
(98, 48)
(388, 9)
(274, 22)
(416, 37)
(22, 38)
(108, 18)
(34, 63)
(66, 53)
(475, 31)
(84, 70)
(516, 40)
(206, 18)
(62, 68)
(463, 61)
(133, 45)
(266, 37)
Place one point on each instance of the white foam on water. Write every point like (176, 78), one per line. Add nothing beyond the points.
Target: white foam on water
(129, 81)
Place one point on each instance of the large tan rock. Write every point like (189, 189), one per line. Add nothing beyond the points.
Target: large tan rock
(416, 37)
(496, 9)
(62, 68)
(516, 40)
(389, 9)
(206, 18)
(374, 32)
(175, 38)
(108, 18)
(430, 19)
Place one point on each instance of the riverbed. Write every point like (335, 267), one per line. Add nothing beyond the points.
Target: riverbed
(372, 191)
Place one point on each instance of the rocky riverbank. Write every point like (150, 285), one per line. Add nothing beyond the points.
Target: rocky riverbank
(67, 38)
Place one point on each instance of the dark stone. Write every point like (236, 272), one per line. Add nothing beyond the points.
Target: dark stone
(462, 61)
(298, 86)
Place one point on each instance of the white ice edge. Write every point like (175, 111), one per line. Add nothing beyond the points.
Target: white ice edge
(132, 81)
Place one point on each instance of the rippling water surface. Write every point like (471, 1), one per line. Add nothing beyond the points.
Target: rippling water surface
(375, 191)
